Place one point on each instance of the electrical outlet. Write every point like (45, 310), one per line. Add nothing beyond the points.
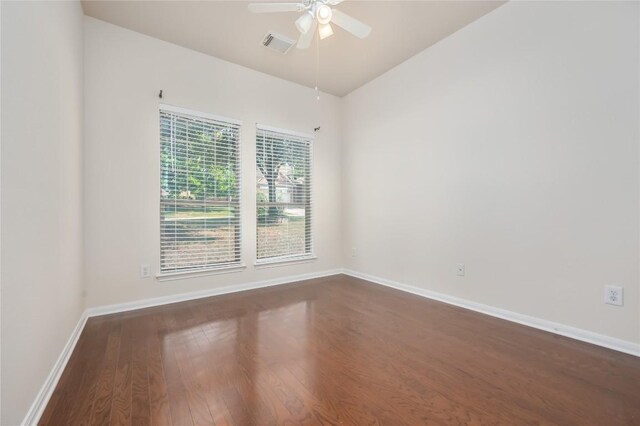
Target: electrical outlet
(145, 270)
(460, 269)
(613, 295)
(354, 252)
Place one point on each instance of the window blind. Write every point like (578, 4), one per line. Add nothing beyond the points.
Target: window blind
(200, 191)
(283, 163)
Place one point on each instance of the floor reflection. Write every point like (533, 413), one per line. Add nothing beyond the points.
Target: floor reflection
(232, 354)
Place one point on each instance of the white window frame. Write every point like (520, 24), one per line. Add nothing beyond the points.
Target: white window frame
(214, 269)
(290, 259)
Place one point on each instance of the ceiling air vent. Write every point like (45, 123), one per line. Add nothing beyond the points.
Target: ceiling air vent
(277, 42)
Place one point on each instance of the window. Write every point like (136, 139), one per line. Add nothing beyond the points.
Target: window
(200, 196)
(283, 181)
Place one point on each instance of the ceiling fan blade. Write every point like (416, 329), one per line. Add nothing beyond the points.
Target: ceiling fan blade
(305, 39)
(334, 2)
(350, 24)
(275, 7)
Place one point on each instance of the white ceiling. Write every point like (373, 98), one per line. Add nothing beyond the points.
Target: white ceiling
(227, 30)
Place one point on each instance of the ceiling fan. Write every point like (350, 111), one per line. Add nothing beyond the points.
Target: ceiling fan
(317, 13)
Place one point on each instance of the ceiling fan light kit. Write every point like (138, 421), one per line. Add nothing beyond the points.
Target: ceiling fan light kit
(323, 14)
(325, 31)
(317, 14)
(303, 23)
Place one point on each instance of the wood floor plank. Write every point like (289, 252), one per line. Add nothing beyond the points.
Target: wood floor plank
(176, 392)
(121, 401)
(335, 350)
(80, 400)
(193, 386)
(217, 346)
(160, 412)
(140, 401)
(101, 409)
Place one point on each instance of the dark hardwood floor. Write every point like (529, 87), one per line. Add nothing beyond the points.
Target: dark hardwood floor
(336, 350)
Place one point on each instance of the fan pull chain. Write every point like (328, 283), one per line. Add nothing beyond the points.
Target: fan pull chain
(317, 64)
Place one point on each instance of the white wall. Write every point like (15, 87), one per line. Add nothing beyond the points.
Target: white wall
(512, 147)
(124, 71)
(41, 193)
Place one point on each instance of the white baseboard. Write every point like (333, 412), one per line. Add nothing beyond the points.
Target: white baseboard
(181, 297)
(541, 324)
(42, 399)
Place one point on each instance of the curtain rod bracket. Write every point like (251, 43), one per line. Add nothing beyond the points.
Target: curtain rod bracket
(160, 95)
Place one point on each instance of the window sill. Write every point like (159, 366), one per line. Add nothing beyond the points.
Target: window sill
(272, 263)
(171, 276)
